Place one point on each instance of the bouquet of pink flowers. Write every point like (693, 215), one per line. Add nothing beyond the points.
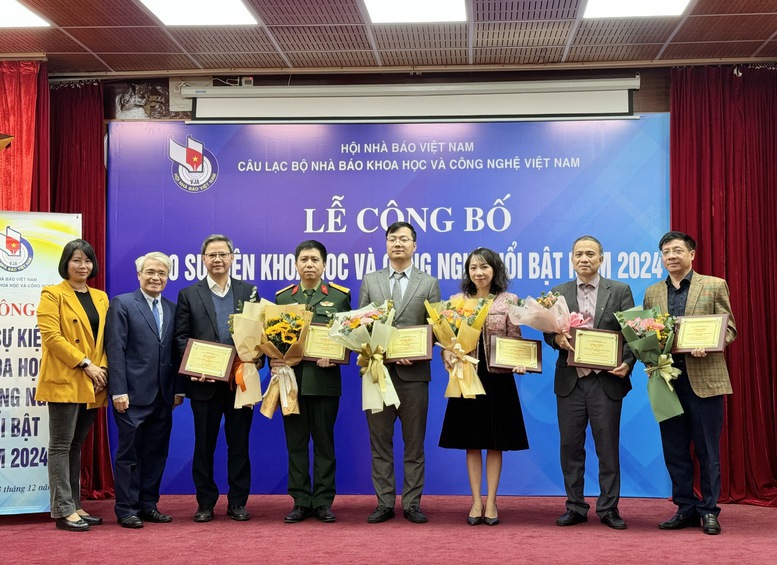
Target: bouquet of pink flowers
(650, 334)
(548, 313)
(368, 331)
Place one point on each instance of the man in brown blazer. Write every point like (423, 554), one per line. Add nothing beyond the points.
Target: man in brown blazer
(700, 387)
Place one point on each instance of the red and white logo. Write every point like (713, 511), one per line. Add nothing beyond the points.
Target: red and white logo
(194, 168)
(16, 252)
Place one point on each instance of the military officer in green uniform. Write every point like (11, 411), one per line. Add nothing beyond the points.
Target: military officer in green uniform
(319, 392)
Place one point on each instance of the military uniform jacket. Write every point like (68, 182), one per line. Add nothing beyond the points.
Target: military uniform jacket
(325, 302)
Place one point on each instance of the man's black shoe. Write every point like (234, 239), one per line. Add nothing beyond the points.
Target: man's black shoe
(237, 512)
(710, 524)
(131, 521)
(297, 514)
(324, 514)
(204, 513)
(680, 521)
(613, 519)
(155, 516)
(414, 514)
(570, 518)
(381, 514)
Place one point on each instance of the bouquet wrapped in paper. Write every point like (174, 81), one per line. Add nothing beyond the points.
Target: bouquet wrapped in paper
(246, 329)
(456, 323)
(284, 330)
(650, 335)
(368, 332)
(549, 314)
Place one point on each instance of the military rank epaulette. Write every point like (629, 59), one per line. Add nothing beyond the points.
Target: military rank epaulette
(341, 288)
(284, 289)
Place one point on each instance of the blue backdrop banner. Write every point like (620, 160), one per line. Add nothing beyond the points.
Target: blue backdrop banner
(526, 190)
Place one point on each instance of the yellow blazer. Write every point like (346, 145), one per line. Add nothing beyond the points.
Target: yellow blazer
(67, 338)
(706, 295)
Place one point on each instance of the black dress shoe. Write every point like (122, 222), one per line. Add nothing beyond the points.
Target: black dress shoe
(680, 521)
(612, 519)
(92, 520)
(131, 521)
(491, 521)
(570, 518)
(298, 514)
(77, 526)
(710, 524)
(381, 514)
(237, 512)
(155, 516)
(204, 513)
(324, 514)
(474, 520)
(414, 514)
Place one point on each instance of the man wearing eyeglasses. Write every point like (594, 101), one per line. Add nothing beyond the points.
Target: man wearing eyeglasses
(203, 313)
(145, 388)
(408, 286)
(700, 387)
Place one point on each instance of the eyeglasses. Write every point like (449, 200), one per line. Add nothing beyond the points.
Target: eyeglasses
(160, 274)
(403, 240)
(674, 251)
(214, 256)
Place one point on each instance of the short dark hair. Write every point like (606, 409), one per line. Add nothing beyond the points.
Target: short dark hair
(690, 243)
(217, 237)
(398, 226)
(67, 253)
(310, 244)
(589, 238)
(500, 280)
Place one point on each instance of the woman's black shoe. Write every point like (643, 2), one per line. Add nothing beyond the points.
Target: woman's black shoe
(77, 526)
(474, 520)
(92, 520)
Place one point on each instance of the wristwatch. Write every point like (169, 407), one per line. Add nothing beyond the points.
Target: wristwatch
(85, 363)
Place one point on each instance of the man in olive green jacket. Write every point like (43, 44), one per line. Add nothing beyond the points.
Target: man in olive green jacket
(319, 392)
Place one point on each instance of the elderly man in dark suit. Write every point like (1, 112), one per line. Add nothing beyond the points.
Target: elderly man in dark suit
(143, 384)
(700, 387)
(408, 286)
(203, 313)
(319, 388)
(586, 396)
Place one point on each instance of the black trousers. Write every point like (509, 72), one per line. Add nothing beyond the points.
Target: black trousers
(237, 425)
(700, 425)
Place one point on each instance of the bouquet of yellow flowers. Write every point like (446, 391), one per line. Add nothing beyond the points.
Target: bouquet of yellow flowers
(246, 329)
(368, 331)
(284, 330)
(456, 324)
(650, 335)
(548, 313)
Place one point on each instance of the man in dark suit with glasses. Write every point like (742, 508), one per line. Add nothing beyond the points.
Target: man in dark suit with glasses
(203, 313)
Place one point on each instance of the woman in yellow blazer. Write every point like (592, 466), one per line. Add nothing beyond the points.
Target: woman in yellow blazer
(73, 376)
